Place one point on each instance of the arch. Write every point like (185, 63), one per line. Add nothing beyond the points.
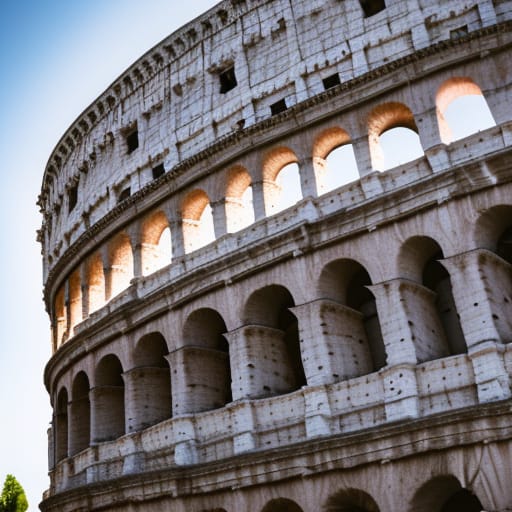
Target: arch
(95, 282)
(156, 249)
(334, 161)
(436, 330)
(121, 263)
(108, 399)
(149, 383)
(281, 505)
(61, 425)
(60, 320)
(461, 109)
(390, 151)
(350, 500)
(75, 299)
(275, 341)
(444, 493)
(239, 207)
(492, 231)
(204, 359)
(346, 281)
(80, 424)
(281, 180)
(197, 220)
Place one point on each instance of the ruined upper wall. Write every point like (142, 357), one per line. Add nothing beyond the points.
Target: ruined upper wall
(282, 52)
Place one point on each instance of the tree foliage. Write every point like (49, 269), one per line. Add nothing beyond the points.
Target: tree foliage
(13, 497)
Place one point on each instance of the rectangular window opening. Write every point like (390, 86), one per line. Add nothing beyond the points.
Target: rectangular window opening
(227, 80)
(132, 140)
(371, 7)
(158, 171)
(278, 107)
(72, 198)
(331, 81)
(459, 32)
(125, 194)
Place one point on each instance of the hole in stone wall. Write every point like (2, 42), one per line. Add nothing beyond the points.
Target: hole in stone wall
(331, 81)
(227, 80)
(72, 197)
(278, 107)
(371, 7)
(125, 194)
(132, 140)
(158, 171)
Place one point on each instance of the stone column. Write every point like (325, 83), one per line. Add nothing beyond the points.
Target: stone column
(434, 146)
(258, 200)
(84, 288)
(399, 374)
(135, 241)
(244, 438)
(219, 218)
(307, 177)
(333, 342)
(185, 450)
(79, 412)
(362, 154)
(259, 362)
(177, 239)
(478, 282)
(148, 397)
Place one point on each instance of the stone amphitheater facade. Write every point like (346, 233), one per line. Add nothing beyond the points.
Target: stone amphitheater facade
(225, 340)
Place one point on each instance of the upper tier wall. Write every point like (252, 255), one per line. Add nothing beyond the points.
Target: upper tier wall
(172, 98)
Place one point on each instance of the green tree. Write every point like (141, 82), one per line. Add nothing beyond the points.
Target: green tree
(13, 497)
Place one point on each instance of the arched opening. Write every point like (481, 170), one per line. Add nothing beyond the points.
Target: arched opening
(80, 423)
(197, 219)
(355, 337)
(334, 160)
(156, 250)
(436, 331)
(60, 320)
(75, 299)
(239, 207)
(272, 346)
(96, 282)
(61, 424)
(393, 136)
(121, 264)
(461, 109)
(281, 180)
(149, 383)
(445, 494)
(350, 500)
(281, 505)
(204, 359)
(108, 394)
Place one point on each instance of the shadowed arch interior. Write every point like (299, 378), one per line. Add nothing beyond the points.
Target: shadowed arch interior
(204, 358)
(350, 500)
(109, 412)
(61, 420)
(80, 424)
(281, 505)
(149, 383)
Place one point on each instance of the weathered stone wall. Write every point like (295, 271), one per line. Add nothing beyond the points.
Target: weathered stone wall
(358, 338)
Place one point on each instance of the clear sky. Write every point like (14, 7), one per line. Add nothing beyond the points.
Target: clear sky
(56, 57)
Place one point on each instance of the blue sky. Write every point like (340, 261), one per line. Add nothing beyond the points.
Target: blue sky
(56, 57)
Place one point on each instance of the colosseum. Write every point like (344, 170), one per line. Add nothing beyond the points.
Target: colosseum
(257, 301)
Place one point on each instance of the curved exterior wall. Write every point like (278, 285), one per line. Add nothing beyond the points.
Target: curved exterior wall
(352, 348)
